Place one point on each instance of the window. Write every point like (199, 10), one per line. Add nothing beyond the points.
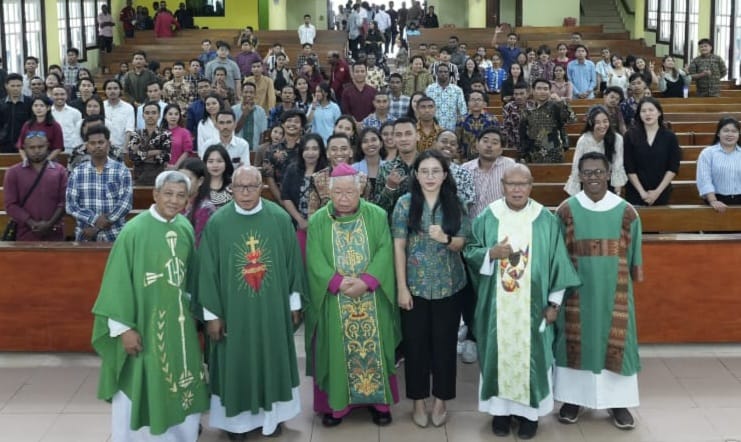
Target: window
(723, 30)
(679, 34)
(694, 29)
(652, 14)
(665, 21)
(22, 33)
(78, 27)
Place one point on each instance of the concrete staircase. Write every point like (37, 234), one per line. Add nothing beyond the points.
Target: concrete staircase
(601, 12)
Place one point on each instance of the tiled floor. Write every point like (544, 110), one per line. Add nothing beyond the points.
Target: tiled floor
(688, 393)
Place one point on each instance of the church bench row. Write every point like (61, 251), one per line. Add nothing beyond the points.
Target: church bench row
(547, 193)
(684, 298)
(542, 173)
(682, 218)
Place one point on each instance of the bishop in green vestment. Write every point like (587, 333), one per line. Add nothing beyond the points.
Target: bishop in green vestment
(521, 270)
(597, 346)
(250, 280)
(143, 331)
(352, 320)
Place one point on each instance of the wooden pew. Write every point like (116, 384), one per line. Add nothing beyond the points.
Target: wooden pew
(552, 194)
(559, 173)
(68, 222)
(690, 218)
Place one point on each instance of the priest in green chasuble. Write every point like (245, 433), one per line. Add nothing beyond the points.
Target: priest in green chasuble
(520, 271)
(597, 348)
(249, 283)
(352, 320)
(152, 367)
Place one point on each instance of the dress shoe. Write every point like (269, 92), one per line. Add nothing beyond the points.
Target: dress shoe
(569, 413)
(622, 418)
(527, 428)
(236, 436)
(380, 418)
(501, 425)
(439, 419)
(330, 421)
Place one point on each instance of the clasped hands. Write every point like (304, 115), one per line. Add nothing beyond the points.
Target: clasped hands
(353, 287)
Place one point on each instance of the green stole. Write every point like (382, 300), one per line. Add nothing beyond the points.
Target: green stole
(513, 301)
(358, 316)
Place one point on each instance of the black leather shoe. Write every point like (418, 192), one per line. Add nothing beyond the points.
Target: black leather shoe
(236, 436)
(500, 425)
(527, 429)
(330, 421)
(569, 414)
(380, 418)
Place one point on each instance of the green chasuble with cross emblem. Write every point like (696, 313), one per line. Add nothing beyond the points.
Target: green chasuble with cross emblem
(515, 354)
(143, 288)
(354, 338)
(249, 265)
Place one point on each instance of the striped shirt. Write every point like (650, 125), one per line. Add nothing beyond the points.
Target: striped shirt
(91, 194)
(487, 183)
(719, 171)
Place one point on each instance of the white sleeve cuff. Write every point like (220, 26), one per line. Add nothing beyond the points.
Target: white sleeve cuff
(556, 297)
(116, 329)
(487, 268)
(295, 301)
(208, 316)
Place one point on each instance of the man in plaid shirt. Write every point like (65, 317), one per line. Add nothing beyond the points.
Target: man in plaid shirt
(99, 192)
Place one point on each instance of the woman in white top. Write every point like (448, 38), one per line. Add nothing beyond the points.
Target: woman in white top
(619, 75)
(598, 136)
(207, 127)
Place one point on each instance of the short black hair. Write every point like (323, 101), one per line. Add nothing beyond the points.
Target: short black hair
(13, 76)
(293, 113)
(490, 130)
(112, 80)
(406, 120)
(74, 51)
(616, 89)
(540, 80)
(396, 75)
(97, 130)
(222, 44)
(226, 111)
(704, 41)
(594, 156)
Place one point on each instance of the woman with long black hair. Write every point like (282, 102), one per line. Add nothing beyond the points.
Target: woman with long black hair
(429, 226)
(200, 208)
(599, 136)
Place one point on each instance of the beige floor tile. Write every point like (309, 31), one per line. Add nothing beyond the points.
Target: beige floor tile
(403, 427)
(688, 425)
(550, 430)
(25, 427)
(86, 399)
(733, 365)
(696, 367)
(356, 427)
(11, 380)
(726, 421)
(712, 392)
(472, 426)
(48, 390)
(596, 425)
(79, 428)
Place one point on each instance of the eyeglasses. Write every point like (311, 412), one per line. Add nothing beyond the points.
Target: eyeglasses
(248, 188)
(35, 133)
(598, 173)
(434, 173)
(516, 185)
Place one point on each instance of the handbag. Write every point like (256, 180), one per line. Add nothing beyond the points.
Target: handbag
(11, 229)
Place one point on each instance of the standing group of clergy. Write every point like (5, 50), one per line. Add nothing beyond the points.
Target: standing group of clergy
(553, 291)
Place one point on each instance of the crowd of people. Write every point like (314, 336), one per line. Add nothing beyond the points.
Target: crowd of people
(394, 214)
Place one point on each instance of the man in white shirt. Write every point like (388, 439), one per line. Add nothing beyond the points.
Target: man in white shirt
(307, 31)
(154, 93)
(383, 21)
(119, 115)
(238, 148)
(68, 118)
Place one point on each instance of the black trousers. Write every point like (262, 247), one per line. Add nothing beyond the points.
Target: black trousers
(430, 333)
(106, 44)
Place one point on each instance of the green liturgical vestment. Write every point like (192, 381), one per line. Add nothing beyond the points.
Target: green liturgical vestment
(248, 267)
(354, 339)
(143, 288)
(515, 355)
(597, 324)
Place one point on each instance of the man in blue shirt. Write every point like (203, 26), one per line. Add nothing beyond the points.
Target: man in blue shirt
(510, 51)
(198, 107)
(582, 73)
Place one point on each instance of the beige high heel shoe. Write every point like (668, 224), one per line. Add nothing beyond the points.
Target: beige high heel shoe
(439, 419)
(421, 418)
